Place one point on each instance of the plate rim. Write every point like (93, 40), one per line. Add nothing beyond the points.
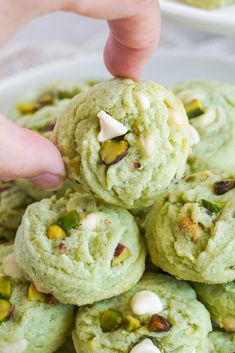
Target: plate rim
(54, 65)
(186, 11)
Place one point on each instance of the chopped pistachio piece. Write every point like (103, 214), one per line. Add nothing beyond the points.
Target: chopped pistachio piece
(194, 109)
(158, 323)
(223, 186)
(28, 108)
(55, 232)
(69, 94)
(35, 296)
(130, 323)
(229, 323)
(112, 152)
(5, 310)
(137, 128)
(110, 320)
(121, 254)
(5, 287)
(211, 206)
(46, 99)
(190, 228)
(69, 220)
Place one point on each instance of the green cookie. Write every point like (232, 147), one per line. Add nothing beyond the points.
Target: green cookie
(190, 230)
(124, 141)
(220, 302)
(207, 4)
(13, 202)
(79, 249)
(222, 342)
(112, 326)
(211, 109)
(30, 321)
(39, 108)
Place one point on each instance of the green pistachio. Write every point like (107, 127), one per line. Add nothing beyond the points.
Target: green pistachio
(5, 310)
(110, 320)
(121, 254)
(5, 287)
(130, 323)
(112, 152)
(194, 109)
(214, 207)
(69, 220)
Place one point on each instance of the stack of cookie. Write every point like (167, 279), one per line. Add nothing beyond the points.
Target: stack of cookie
(78, 264)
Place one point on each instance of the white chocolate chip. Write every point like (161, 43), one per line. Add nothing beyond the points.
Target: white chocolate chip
(90, 222)
(146, 303)
(145, 346)
(16, 347)
(149, 145)
(109, 127)
(10, 267)
(176, 118)
(143, 100)
(205, 119)
(194, 137)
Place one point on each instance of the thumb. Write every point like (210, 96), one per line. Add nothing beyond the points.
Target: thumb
(25, 154)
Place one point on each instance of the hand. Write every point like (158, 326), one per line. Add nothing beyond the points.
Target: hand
(134, 34)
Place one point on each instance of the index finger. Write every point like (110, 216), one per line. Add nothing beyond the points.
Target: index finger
(134, 31)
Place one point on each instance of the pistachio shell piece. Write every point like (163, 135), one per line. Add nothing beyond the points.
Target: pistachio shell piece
(55, 232)
(211, 206)
(194, 108)
(35, 296)
(110, 320)
(223, 186)
(69, 220)
(130, 323)
(28, 108)
(112, 152)
(121, 254)
(5, 287)
(5, 310)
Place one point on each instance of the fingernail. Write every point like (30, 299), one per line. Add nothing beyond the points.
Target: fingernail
(48, 181)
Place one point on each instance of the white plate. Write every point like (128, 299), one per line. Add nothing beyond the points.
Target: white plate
(166, 67)
(221, 21)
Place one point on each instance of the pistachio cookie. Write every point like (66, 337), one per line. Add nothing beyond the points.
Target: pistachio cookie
(30, 321)
(211, 109)
(13, 202)
(39, 108)
(158, 315)
(125, 141)
(220, 302)
(190, 230)
(79, 249)
(208, 4)
(222, 342)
